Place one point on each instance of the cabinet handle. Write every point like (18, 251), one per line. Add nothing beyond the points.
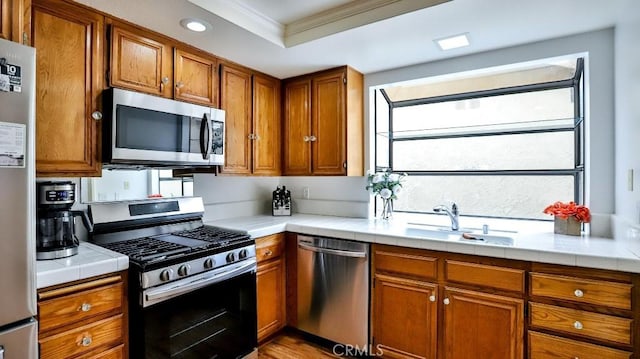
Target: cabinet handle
(578, 293)
(432, 298)
(306, 138)
(578, 325)
(313, 138)
(86, 341)
(163, 81)
(96, 115)
(85, 307)
(256, 137)
(250, 136)
(446, 301)
(179, 85)
(268, 252)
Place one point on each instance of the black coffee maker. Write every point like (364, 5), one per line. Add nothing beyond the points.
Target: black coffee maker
(56, 237)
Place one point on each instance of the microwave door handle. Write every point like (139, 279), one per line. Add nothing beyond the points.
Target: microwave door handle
(205, 128)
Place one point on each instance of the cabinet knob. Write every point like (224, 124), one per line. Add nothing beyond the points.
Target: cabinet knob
(306, 138)
(268, 252)
(86, 341)
(432, 298)
(165, 80)
(446, 301)
(96, 115)
(313, 138)
(179, 85)
(578, 325)
(250, 136)
(578, 293)
(256, 137)
(85, 307)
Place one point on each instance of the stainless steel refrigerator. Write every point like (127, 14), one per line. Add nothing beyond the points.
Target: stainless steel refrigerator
(18, 328)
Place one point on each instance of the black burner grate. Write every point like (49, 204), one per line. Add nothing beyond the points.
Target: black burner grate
(144, 249)
(218, 237)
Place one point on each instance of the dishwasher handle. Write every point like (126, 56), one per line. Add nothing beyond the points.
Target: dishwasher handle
(336, 252)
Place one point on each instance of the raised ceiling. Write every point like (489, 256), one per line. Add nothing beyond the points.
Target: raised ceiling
(392, 42)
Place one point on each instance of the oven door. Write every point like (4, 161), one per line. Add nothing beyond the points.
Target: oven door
(206, 318)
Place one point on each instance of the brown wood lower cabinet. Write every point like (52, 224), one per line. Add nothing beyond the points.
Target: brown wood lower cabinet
(433, 305)
(406, 317)
(85, 319)
(481, 325)
(270, 285)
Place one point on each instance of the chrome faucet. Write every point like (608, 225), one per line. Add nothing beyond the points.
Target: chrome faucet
(453, 214)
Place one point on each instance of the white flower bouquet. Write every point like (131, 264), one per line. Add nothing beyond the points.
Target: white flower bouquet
(387, 185)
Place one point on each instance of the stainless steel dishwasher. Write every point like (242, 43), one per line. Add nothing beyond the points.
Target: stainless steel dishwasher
(333, 289)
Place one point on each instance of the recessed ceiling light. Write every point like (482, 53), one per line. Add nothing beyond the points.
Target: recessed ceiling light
(195, 25)
(453, 42)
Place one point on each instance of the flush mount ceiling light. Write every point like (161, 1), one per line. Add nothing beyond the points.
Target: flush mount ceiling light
(453, 42)
(195, 25)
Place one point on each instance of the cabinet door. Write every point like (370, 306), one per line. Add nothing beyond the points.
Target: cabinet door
(297, 128)
(70, 72)
(235, 99)
(195, 78)
(140, 63)
(266, 125)
(328, 146)
(271, 297)
(404, 317)
(479, 325)
(5, 19)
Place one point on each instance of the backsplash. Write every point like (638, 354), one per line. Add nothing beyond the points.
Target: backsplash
(228, 197)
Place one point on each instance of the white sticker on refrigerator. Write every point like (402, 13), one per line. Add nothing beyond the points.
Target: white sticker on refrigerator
(12, 74)
(13, 137)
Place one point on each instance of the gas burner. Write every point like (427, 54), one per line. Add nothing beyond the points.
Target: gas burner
(218, 237)
(146, 249)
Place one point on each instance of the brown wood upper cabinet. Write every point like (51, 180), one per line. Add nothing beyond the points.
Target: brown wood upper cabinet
(323, 123)
(252, 105)
(15, 20)
(70, 71)
(144, 62)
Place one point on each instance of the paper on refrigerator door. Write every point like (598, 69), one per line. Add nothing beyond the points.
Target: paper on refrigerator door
(12, 144)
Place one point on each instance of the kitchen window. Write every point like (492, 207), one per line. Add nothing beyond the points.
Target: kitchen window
(501, 144)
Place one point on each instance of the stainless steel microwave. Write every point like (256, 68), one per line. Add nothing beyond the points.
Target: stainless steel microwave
(144, 130)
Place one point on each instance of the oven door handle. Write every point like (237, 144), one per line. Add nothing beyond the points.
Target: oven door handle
(161, 294)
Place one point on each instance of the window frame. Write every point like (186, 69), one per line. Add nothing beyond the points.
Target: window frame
(575, 83)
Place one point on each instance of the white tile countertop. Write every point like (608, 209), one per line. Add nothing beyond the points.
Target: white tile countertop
(585, 251)
(90, 261)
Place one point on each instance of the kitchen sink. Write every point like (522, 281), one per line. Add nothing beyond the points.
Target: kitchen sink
(442, 233)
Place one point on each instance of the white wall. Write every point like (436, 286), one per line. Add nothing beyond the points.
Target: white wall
(228, 197)
(598, 44)
(627, 107)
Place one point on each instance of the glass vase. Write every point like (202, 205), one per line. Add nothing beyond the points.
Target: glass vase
(387, 209)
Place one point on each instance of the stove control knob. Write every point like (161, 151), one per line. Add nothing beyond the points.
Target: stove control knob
(243, 254)
(166, 275)
(184, 270)
(209, 263)
(231, 257)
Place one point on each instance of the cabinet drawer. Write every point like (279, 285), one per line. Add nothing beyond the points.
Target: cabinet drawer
(269, 247)
(580, 322)
(103, 333)
(485, 275)
(74, 307)
(113, 353)
(410, 263)
(615, 295)
(543, 346)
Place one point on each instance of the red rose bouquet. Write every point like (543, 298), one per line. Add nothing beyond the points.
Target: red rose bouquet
(571, 209)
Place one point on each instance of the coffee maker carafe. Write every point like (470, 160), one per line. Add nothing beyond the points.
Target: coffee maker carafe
(56, 237)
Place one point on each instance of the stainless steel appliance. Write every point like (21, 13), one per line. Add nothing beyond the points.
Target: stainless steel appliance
(192, 288)
(333, 289)
(147, 130)
(56, 233)
(18, 328)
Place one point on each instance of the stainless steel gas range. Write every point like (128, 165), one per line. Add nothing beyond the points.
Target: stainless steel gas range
(192, 288)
